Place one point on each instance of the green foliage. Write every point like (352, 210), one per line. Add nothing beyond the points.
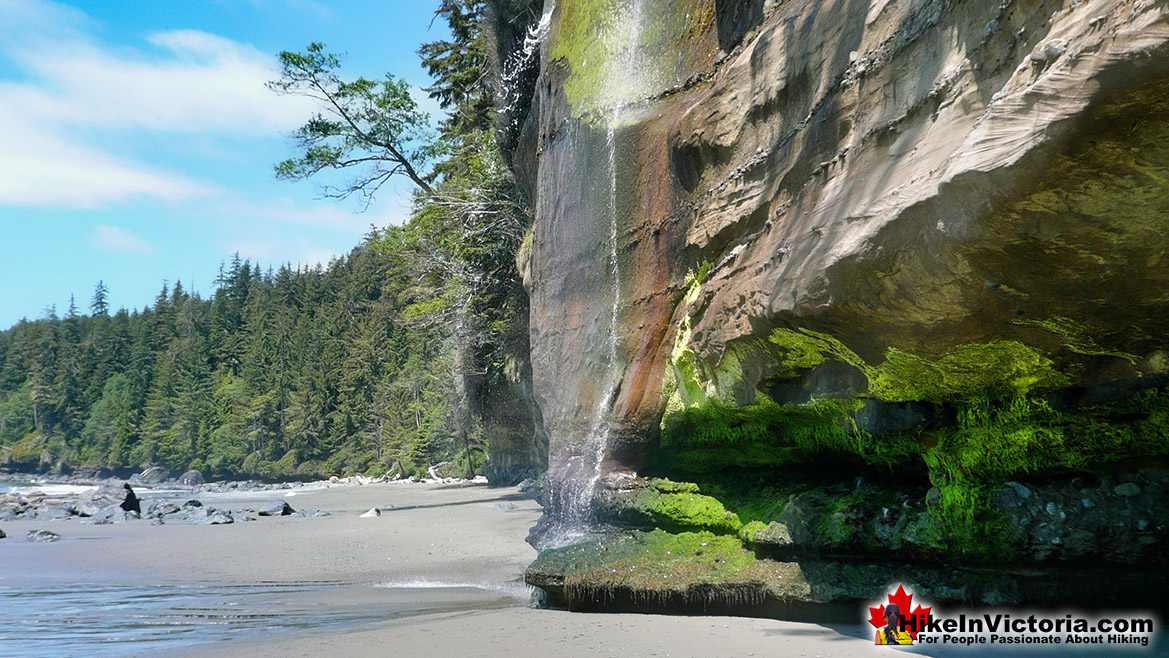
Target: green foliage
(457, 67)
(373, 126)
(698, 276)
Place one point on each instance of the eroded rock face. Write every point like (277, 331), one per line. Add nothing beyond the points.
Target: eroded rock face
(915, 175)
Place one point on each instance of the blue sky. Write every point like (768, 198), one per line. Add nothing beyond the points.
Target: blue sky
(137, 140)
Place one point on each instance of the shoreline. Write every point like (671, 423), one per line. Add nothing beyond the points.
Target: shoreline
(440, 573)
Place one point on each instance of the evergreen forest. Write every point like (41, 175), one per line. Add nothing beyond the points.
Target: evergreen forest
(374, 363)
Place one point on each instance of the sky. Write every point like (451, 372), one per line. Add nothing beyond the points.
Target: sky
(137, 141)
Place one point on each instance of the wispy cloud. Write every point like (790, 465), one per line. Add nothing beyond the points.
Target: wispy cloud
(114, 238)
(70, 84)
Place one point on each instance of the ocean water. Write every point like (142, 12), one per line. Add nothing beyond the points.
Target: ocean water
(104, 620)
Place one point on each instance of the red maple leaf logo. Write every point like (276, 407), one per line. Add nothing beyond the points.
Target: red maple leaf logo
(902, 600)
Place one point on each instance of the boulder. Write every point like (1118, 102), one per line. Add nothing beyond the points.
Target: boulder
(43, 536)
(110, 514)
(160, 508)
(154, 475)
(276, 508)
(191, 478)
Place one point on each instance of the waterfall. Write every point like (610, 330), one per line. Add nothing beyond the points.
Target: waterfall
(623, 78)
(520, 61)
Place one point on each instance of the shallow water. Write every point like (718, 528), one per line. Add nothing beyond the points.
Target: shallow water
(106, 620)
(25, 487)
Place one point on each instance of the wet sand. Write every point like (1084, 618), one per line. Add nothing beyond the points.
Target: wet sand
(439, 574)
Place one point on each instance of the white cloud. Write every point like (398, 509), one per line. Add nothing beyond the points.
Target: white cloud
(112, 237)
(65, 84)
(40, 167)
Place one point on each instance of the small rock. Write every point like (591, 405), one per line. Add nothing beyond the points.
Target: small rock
(275, 508)
(372, 513)
(1126, 489)
(310, 513)
(933, 496)
(503, 507)
(192, 503)
(1087, 503)
(1051, 509)
(1020, 490)
(2, 535)
(1048, 51)
(44, 536)
(1143, 524)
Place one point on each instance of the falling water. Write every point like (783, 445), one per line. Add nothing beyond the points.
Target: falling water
(519, 62)
(623, 72)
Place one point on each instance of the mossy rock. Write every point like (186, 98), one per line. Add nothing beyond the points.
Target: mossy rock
(672, 506)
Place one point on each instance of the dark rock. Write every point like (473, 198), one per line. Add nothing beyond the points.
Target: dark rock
(43, 536)
(276, 508)
(775, 537)
(191, 478)
(1126, 489)
(192, 503)
(2, 535)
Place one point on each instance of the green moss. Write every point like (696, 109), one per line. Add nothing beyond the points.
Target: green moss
(655, 562)
(994, 369)
(1077, 337)
(749, 530)
(675, 507)
(804, 349)
(592, 40)
(696, 277)
(716, 436)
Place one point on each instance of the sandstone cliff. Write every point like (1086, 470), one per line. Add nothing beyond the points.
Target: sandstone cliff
(923, 175)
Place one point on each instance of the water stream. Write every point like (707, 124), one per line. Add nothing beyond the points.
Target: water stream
(625, 67)
(520, 62)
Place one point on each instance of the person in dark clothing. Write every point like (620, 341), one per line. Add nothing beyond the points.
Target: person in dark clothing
(131, 503)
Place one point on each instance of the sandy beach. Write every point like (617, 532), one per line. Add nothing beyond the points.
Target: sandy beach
(439, 574)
